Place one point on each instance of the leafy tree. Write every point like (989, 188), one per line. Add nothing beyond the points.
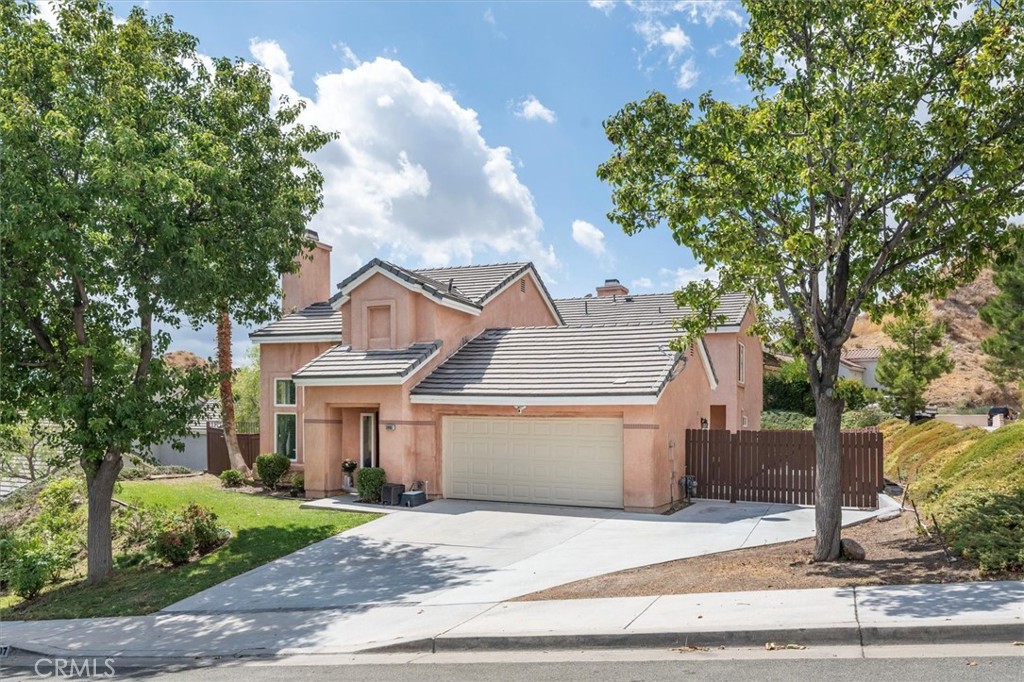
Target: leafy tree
(1005, 312)
(140, 188)
(27, 451)
(788, 389)
(907, 369)
(877, 163)
(247, 389)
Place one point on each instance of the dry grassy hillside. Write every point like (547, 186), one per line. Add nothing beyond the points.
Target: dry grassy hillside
(184, 359)
(970, 384)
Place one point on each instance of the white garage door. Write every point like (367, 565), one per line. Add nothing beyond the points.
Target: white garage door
(542, 461)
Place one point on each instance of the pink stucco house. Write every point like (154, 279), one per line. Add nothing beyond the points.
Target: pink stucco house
(475, 381)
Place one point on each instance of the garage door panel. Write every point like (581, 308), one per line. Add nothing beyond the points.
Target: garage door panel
(545, 461)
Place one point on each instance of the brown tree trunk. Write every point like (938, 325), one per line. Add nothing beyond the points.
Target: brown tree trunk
(227, 396)
(828, 499)
(100, 479)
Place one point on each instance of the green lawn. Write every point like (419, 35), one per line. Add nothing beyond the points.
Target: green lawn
(263, 528)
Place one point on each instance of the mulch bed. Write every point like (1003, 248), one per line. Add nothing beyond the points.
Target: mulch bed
(896, 555)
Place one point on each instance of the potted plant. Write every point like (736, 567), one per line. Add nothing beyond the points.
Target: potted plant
(348, 467)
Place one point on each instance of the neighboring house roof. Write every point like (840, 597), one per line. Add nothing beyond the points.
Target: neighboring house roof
(467, 288)
(852, 365)
(316, 322)
(343, 366)
(862, 353)
(644, 309)
(613, 365)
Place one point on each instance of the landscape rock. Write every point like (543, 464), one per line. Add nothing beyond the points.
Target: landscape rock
(852, 550)
(889, 516)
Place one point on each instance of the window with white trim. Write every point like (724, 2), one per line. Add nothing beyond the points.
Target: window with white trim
(285, 431)
(284, 392)
(741, 363)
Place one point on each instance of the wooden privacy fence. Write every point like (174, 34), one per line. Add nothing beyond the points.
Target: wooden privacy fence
(217, 450)
(779, 466)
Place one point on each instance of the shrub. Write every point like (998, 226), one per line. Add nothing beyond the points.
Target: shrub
(60, 507)
(789, 389)
(369, 481)
(30, 566)
(231, 478)
(137, 525)
(987, 527)
(175, 546)
(864, 418)
(349, 465)
(785, 421)
(298, 481)
(856, 395)
(201, 523)
(270, 468)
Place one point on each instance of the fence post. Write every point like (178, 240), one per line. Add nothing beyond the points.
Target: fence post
(734, 447)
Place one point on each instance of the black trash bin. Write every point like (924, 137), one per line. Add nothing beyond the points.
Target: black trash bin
(391, 494)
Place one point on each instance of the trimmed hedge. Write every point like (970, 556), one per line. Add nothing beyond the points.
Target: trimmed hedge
(369, 481)
(270, 468)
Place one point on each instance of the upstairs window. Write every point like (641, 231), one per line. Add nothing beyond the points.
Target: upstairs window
(741, 363)
(284, 392)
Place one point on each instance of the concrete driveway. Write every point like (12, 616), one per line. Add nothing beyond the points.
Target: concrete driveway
(452, 553)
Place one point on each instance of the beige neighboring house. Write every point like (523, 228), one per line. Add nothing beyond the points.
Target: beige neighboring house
(474, 380)
(860, 364)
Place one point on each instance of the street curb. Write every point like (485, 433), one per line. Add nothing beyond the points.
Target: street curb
(828, 636)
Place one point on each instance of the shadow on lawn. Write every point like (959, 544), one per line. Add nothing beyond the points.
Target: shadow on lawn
(147, 588)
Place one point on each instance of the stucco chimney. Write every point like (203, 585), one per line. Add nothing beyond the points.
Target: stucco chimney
(612, 287)
(312, 283)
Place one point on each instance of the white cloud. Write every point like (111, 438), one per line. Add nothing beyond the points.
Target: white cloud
(710, 12)
(348, 55)
(489, 17)
(588, 236)
(410, 176)
(532, 110)
(657, 35)
(684, 275)
(688, 74)
(642, 283)
(605, 6)
(675, 39)
(273, 58)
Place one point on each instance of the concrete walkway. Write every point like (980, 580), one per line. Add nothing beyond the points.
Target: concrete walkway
(453, 552)
(957, 612)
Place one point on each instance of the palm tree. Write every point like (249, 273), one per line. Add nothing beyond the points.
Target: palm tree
(227, 398)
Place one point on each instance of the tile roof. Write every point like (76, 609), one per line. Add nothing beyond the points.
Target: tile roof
(476, 282)
(318, 319)
(641, 308)
(342, 362)
(862, 353)
(470, 285)
(624, 360)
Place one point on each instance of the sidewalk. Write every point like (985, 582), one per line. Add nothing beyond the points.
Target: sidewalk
(957, 612)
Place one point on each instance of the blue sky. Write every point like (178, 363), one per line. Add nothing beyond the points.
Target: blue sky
(471, 131)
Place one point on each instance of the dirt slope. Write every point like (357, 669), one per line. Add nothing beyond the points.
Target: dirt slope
(970, 384)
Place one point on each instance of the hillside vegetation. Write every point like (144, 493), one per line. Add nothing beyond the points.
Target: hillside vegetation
(972, 480)
(970, 384)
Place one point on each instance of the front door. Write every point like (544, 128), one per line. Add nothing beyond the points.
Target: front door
(368, 439)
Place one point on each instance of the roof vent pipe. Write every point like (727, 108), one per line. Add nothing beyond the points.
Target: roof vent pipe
(586, 308)
(451, 284)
